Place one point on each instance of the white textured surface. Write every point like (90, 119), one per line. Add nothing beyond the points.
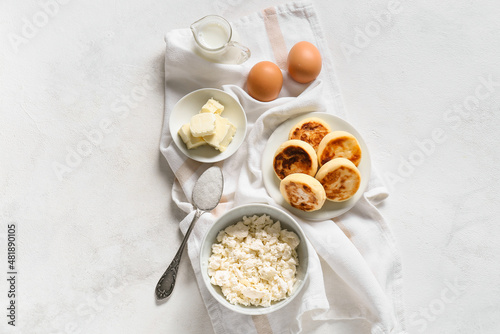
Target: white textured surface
(93, 244)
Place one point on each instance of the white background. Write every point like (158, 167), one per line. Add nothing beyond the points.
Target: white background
(93, 244)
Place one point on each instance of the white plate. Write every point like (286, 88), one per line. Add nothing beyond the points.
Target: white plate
(272, 182)
(190, 105)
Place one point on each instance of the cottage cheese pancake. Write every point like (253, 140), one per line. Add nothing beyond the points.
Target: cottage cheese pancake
(339, 144)
(340, 178)
(295, 156)
(303, 192)
(311, 130)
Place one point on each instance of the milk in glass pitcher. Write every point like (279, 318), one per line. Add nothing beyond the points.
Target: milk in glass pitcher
(215, 39)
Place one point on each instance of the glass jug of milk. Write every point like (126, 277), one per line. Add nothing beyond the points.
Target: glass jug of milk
(215, 39)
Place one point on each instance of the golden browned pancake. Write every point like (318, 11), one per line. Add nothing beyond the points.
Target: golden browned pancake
(311, 130)
(295, 156)
(303, 192)
(340, 178)
(339, 144)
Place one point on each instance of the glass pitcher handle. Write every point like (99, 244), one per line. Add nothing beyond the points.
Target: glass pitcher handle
(244, 52)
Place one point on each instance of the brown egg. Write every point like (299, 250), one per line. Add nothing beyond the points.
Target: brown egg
(264, 81)
(304, 62)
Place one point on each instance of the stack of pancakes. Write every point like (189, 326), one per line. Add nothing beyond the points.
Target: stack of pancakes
(311, 145)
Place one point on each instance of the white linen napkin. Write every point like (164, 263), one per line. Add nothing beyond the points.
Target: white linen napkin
(358, 246)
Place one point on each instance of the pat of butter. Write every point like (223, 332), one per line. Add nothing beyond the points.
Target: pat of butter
(228, 138)
(224, 133)
(212, 106)
(202, 125)
(188, 139)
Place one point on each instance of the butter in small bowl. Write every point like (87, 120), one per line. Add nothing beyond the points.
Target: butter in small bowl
(208, 125)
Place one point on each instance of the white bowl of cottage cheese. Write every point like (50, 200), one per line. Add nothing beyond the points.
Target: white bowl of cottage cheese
(254, 259)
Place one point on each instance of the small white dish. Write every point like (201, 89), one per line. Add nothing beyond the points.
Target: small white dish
(232, 217)
(272, 182)
(190, 105)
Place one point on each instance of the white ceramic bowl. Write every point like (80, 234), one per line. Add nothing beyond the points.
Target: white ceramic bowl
(232, 217)
(190, 105)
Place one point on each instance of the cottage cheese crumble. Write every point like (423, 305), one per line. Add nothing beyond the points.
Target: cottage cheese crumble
(254, 261)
